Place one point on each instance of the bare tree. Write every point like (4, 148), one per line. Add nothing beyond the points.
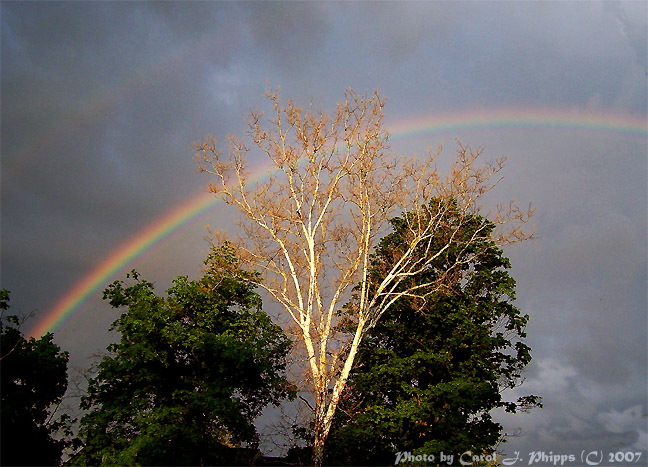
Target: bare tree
(311, 227)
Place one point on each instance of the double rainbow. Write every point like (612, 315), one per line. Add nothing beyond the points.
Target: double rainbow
(194, 208)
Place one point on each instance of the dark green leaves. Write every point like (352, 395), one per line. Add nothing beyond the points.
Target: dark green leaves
(34, 379)
(191, 372)
(431, 370)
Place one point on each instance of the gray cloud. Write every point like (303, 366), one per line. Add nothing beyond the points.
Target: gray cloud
(631, 17)
(291, 33)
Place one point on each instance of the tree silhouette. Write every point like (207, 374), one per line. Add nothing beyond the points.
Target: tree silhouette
(34, 381)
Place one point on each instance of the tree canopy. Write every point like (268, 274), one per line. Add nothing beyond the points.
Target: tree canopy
(311, 227)
(189, 375)
(431, 370)
(34, 381)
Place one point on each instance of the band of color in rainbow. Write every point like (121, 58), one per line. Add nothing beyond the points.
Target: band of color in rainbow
(195, 207)
(119, 258)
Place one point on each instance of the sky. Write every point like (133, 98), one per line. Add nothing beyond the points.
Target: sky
(101, 103)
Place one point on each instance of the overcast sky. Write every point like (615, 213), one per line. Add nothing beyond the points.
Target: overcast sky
(101, 103)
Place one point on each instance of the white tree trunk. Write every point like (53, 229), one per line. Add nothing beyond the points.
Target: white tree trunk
(310, 229)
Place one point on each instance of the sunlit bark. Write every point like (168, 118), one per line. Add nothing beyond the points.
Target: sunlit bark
(311, 228)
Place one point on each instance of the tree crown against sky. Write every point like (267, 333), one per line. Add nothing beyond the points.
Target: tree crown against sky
(189, 375)
(432, 369)
(34, 381)
(311, 227)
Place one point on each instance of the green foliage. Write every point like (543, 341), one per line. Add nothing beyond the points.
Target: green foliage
(431, 370)
(190, 372)
(34, 380)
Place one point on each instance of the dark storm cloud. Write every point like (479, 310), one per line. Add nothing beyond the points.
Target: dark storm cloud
(108, 95)
(579, 414)
(100, 106)
(290, 32)
(404, 28)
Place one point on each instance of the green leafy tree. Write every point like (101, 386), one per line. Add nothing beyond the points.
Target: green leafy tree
(311, 226)
(432, 369)
(34, 381)
(190, 373)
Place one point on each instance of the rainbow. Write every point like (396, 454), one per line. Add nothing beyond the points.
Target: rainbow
(629, 125)
(194, 208)
(123, 255)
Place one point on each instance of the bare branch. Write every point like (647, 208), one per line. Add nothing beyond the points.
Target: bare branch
(311, 227)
